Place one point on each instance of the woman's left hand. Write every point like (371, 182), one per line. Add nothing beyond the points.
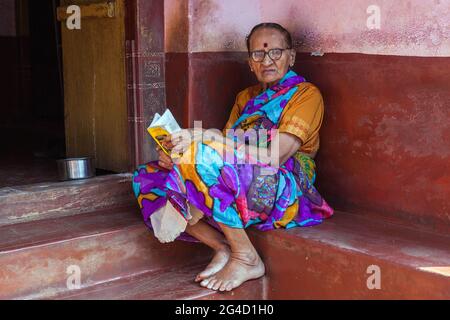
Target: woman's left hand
(182, 139)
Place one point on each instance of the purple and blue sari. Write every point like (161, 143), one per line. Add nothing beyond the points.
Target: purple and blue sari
(238, 194)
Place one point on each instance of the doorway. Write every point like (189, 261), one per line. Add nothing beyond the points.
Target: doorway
(95, 83)
(32, 134)
(63, 91)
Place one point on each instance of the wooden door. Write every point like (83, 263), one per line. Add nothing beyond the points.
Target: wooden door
(95, 83)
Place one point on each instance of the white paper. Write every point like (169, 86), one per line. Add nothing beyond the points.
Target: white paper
(166, 121)
(155, 118)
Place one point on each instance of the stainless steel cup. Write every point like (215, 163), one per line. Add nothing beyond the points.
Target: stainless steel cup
(76, 168)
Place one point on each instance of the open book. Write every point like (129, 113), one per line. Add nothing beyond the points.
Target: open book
(163, 126)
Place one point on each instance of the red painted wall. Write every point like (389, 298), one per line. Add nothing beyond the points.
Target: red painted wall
(385, 139)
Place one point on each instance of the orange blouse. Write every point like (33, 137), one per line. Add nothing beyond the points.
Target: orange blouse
(302, 116)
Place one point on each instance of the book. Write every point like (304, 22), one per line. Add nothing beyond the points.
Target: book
(163, 126)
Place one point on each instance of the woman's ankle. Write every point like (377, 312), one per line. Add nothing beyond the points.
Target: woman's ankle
(250, 257)
(222, 247)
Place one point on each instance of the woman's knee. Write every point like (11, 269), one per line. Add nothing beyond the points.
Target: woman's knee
(135, 185)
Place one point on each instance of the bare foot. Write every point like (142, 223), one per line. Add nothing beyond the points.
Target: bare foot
(240, 268)
(217, 263)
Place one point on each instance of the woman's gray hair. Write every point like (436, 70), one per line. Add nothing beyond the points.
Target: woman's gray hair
(270, 25)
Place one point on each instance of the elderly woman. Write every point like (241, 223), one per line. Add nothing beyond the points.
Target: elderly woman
(213, 199)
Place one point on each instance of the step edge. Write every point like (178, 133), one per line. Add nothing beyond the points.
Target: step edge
(53, 214)
(409, 227)
(49, 242)
(149, 273)
(26, 189)
(378, 257)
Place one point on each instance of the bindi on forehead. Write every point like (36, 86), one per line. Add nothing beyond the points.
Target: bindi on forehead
(266, 45)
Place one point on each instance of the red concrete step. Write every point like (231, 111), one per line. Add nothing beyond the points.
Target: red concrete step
(175, 283)
(113, 248)
(330, 261)
(47, 200)
(105, 245)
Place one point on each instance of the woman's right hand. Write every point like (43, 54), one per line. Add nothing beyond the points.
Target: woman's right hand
(164, 160)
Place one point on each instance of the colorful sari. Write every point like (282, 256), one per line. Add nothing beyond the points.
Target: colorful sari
(235, 194)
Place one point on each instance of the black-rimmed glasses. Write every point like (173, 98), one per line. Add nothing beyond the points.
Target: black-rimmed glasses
(274, 54)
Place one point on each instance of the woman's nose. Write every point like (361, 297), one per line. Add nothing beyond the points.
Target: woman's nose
(267, 61)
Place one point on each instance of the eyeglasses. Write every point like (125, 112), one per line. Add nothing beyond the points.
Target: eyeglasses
(274, 54)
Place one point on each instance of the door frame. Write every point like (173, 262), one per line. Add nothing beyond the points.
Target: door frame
(145, 60)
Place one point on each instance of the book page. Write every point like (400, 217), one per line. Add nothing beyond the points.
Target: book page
(155, 119)
(162, 126)
(168, 122)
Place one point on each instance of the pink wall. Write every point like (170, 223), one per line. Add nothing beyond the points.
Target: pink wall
(176, 22)
(7, 18)
(408, 28)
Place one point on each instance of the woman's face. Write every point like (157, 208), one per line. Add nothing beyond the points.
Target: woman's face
(270, 71)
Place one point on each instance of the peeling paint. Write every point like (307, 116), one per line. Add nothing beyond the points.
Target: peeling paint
(409, 28)
(412, 128)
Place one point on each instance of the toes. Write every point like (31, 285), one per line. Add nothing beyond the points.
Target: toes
(204, 274)
(211, 283)
(217, 285)
(223, 287)
(205, 282)
(229, 286)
